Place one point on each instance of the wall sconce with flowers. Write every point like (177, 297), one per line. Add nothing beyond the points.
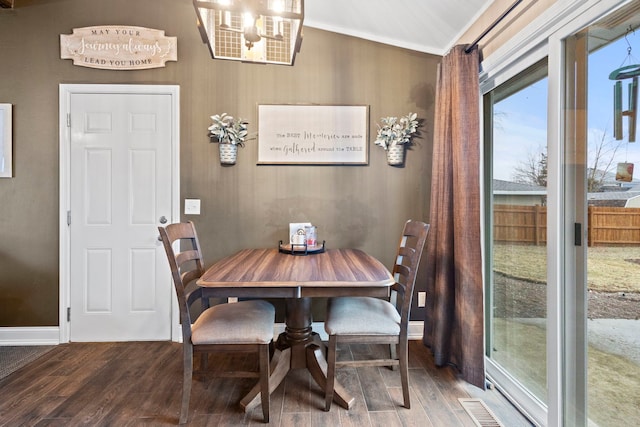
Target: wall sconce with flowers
(229, 133)
(395, 134)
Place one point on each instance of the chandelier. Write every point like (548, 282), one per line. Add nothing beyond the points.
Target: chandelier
(263, 31)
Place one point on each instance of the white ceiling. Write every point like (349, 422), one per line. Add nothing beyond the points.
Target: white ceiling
(431, 26)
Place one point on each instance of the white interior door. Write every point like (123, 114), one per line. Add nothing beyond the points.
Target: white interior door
(120, 191)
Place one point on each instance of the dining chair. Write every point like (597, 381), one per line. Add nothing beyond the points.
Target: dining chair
(368, 320)
(245, 326)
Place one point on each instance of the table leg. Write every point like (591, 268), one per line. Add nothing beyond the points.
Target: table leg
(317, 366)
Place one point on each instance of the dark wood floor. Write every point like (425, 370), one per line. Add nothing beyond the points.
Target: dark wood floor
(139, 383)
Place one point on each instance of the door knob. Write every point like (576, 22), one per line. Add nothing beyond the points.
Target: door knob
(163, 220)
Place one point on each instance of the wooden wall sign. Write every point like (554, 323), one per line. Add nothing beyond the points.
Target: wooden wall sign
(118, 47)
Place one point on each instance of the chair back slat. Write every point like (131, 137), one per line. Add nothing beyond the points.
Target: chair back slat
(405, 269)
(406, 251)
(181, 230)
(193, 296)
(186, 256)
(186, 266)
(401, 275)
(189, 276)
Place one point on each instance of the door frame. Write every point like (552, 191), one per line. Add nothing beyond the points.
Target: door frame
(65, 92)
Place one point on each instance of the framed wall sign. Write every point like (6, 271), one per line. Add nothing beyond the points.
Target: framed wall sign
(313, 134)
(6, 159)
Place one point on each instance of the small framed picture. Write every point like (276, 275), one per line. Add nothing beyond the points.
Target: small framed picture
(6, 158)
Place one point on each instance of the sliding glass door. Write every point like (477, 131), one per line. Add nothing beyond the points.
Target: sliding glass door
(563, 224)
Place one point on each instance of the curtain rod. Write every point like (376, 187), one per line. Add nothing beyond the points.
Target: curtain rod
(492, 26)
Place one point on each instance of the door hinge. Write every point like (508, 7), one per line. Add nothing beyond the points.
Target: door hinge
(68, 314)
(68, 120)
(68, 217)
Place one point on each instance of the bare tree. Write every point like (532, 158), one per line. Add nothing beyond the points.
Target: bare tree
(601, 160)
(602, 155)
(533, 170)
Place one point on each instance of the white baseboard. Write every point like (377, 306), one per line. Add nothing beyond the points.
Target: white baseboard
(416, 330)
(30, 335)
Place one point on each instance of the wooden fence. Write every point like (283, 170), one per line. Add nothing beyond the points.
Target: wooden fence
(608, 226)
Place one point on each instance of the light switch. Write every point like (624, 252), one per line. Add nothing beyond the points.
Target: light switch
(192, 206)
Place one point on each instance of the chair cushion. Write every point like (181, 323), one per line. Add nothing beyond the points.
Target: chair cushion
(244, 322)
(361, 316)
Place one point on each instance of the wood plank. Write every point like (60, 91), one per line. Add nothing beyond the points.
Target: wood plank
(429, 395)
(385, 419)
(295, 419)
(416, 416)
(32, 413)
(354, 419)
(325, 419)
(374, 389)
(297, 392)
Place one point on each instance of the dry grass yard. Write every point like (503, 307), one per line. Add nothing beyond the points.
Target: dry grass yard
(614, 293)
(609, 269)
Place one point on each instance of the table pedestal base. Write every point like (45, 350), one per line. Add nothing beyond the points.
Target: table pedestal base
(298, 348)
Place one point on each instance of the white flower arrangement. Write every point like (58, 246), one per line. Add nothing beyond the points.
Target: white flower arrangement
(228, 130)
(396, 131)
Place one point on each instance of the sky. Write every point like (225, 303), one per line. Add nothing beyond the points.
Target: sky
(520, 128)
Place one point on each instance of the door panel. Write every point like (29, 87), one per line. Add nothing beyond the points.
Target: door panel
(608, 384)
(120, 185)
(516, 224)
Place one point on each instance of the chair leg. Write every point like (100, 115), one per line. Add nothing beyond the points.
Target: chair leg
(331, 372)
(186, 381)
(404, 372)
(272, 349)
(264, 381)
(204, 363)
(393, 354)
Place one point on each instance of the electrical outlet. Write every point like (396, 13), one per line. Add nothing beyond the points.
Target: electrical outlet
(422, 299)
(231, 300)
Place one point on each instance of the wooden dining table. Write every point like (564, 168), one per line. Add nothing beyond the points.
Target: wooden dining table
(270, 273)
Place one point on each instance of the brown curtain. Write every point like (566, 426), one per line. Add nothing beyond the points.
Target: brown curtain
(453, 326)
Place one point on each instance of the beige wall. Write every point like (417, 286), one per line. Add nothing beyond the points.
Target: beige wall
(242, 206)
